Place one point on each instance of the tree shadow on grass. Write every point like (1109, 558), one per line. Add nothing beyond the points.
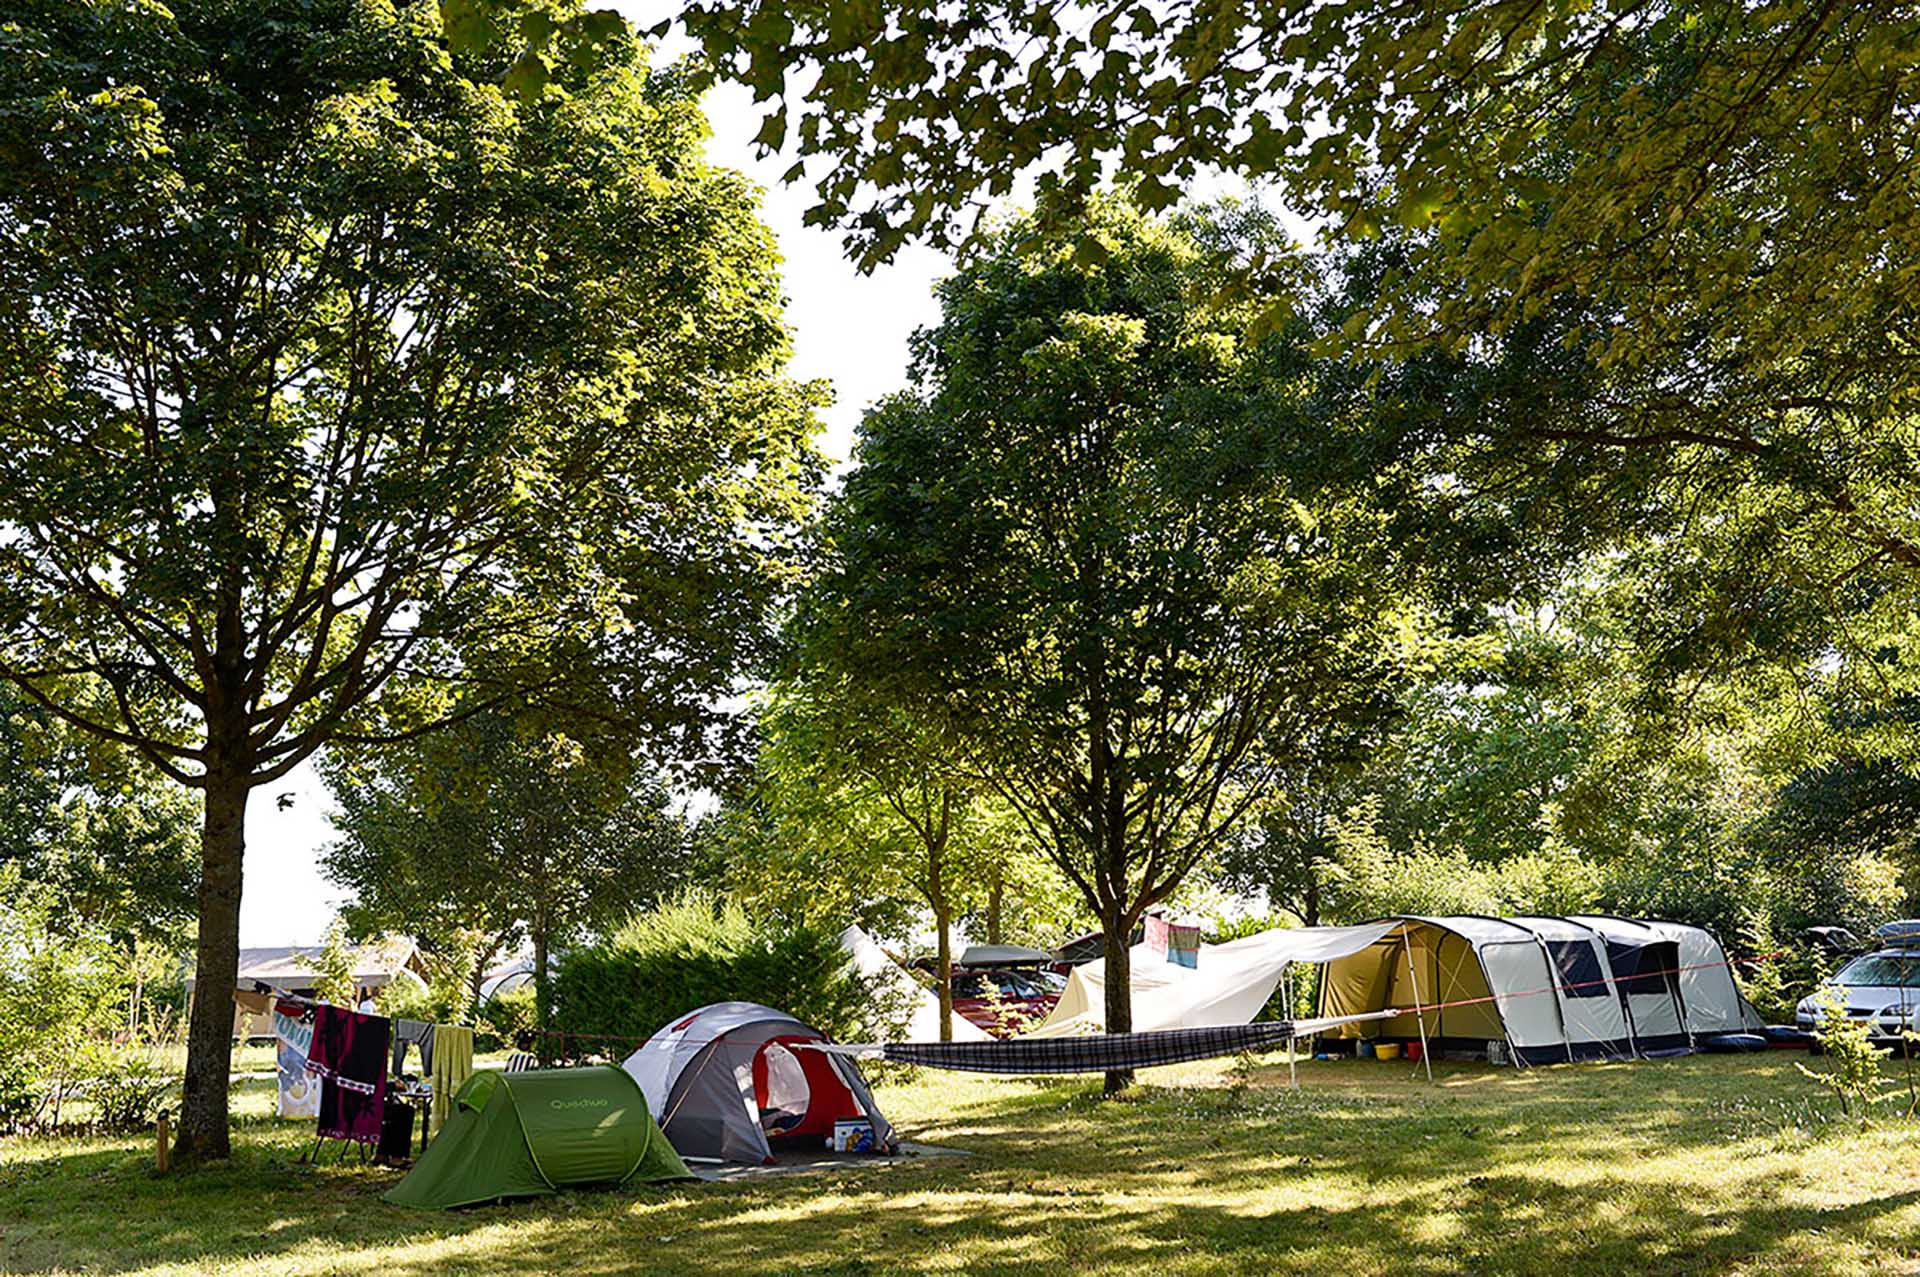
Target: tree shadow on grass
(1360, 1172)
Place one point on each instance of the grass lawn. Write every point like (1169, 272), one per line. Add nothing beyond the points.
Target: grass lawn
(1702, 1165)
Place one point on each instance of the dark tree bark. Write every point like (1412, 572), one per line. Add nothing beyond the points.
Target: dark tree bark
(1119, 992)
(203, 1109)
(936, 833)
(943, 922)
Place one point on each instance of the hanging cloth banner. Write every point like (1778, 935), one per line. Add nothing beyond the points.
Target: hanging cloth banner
(1096, 1052)
(293, 1032)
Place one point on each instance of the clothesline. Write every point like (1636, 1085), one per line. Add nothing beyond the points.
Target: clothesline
(1303, 1027)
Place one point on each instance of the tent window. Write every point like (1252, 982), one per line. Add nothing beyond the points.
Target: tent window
(1642, 968)
(1579, 965)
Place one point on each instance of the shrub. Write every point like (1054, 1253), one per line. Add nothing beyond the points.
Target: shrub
(125, 1086)
(1220, 929)
(58, 992)
(405, 1000)
(1374, 880)
(333, 981)
(507, 1019)
(1855, 1076)
(698, 949)
(20, 1101)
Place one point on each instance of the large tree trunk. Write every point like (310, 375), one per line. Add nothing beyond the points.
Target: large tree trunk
(943, 925)
(1116, 928)
(943, 929)
(203, 1109)
(996, 887)
(476, 978)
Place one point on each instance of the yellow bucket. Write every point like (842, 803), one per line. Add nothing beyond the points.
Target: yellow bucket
(1386, 1050)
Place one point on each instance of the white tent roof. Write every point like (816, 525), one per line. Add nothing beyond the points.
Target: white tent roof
(871, 961)
(1712, 1000)
(1230, 984)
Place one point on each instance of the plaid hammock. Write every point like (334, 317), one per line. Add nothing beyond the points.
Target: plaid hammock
(1095, 1052)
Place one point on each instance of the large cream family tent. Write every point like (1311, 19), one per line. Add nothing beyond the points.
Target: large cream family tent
(1646, 970)
(1709, 997)
(732, 1081)
(1537, 990)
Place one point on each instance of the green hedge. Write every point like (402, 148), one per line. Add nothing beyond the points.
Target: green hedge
(697, 950)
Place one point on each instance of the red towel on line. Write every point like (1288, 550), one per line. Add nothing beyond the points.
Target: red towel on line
(349, 1054)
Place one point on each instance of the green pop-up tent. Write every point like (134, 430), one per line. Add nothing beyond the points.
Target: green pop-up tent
(528, 1134)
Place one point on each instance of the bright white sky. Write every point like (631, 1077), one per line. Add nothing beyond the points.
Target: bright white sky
(849, 328)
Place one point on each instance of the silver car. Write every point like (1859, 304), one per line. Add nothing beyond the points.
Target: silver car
(1882, 988)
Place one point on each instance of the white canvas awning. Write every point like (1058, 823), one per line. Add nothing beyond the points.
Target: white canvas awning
(1230, 985)
(901, 989)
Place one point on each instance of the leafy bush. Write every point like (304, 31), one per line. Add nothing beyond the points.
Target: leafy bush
(698, 949)
(58, 992)
(1373, 880)
(333, 980)
(1855, 1076)
(1224, 930)
(20, 1101)
(405, 1000)
(125, 1086)
(508, 1019)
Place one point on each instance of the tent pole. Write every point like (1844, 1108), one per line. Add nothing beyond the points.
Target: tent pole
(1419, 1009)
(1293, 1043)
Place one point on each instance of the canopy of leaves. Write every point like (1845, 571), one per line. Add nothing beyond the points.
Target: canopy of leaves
(1081, 543)
(862, 813)
(113, 846)
(1667, 154)
(329, 366)
(474, 837)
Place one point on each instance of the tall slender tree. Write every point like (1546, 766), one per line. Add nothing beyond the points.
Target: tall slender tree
(871, 809)
(1081, 539)
(501, 824)
(340, 390)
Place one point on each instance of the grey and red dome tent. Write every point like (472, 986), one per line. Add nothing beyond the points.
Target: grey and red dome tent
(734, 1082)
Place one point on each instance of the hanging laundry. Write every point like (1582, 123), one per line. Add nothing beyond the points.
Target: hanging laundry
(250, 1013)
(1183, 944)
(412, 1032)
(293, 1031)
(396, 1134)
(452, 1066)
(349, 1054)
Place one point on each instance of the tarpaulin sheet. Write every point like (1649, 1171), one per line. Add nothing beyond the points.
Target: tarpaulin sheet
(1229, 985)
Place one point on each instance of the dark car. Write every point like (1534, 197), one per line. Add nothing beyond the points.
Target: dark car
(1024, 997)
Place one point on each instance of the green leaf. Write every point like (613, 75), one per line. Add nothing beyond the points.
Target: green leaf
(528, 77)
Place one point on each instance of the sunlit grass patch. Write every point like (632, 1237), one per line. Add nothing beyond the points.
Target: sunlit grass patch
(1704, 1165)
